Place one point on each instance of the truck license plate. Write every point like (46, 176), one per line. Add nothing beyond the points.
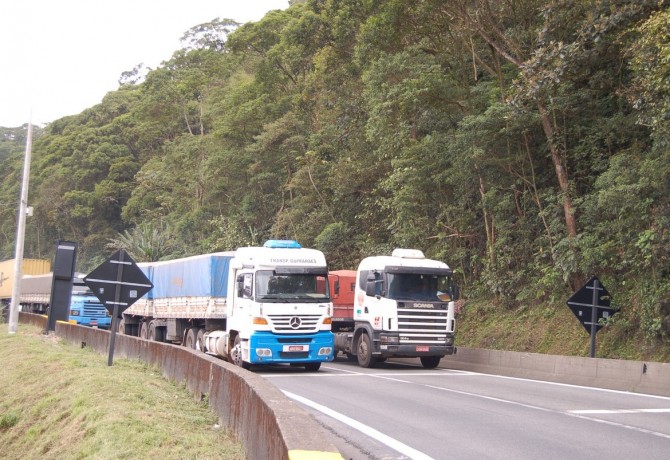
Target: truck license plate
(422, 348)
(295, 348)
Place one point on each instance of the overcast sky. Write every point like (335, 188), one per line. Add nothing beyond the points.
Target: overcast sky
(60, 57)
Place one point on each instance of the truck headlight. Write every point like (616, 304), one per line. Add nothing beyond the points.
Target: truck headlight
(389, 339)
(74, 312)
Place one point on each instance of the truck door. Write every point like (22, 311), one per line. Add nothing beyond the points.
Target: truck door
(244, 292)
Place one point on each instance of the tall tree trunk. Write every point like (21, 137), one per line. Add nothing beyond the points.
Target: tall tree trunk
(489, 221)
(561, 175)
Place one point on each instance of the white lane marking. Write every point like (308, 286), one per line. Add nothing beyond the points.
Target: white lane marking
(342, 370)
(369, 431)
(570, 385)
(620, 425)
(349, 373)
(492, 398)
(386, 377)
(544, 409)
(619, 411)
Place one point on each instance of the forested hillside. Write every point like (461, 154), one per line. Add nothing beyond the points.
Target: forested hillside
(523, 142)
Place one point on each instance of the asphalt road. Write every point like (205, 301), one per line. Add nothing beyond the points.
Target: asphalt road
(400, 411)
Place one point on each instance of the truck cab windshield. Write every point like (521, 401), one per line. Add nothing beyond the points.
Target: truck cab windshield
(419, 287)
(291, 287)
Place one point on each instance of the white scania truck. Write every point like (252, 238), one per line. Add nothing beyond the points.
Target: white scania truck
(256, 305)
(403, 306)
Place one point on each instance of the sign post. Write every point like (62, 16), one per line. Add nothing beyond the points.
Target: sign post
(590, 304)
(118, 283)
(594, 317)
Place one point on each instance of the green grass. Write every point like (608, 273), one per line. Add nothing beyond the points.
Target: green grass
(60, 401)
(550, 329)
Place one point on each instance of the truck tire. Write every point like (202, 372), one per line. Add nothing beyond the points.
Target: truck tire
(151, 331)
(430, 362)
(200, 340)
(312, 367)
(191, 338)
(236, 354)
(144, 329)
(156, 333)
(364, 351)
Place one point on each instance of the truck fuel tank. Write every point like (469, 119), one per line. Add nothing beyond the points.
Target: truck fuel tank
(216, 342)
(343, 342)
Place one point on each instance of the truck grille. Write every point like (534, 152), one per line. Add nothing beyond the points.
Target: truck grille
(294, 323)
(422, 323)
(94, 310)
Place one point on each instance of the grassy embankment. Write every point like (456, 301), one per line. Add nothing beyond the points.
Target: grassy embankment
(550, 329)
(61, 401)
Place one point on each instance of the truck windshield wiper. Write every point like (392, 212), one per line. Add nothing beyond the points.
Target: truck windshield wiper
(281, 298)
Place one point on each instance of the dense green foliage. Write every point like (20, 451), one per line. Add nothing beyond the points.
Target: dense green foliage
(525, 142)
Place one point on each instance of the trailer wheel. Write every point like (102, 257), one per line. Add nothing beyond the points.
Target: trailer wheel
(236, 354)
(430, 362)
(144, 329)
(312, 367)
(364, 351)
(190, 338)
(156, 333)
(200, 340)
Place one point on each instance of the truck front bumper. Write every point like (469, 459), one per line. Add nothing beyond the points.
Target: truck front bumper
(104, 323)
(413, 351)
(389, 344)
(269, 348)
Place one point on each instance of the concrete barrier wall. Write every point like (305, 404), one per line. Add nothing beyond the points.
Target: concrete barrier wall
(615, 374)
(269, 425)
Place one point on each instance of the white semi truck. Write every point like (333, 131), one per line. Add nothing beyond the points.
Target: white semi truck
(395, 306)
(256, 305)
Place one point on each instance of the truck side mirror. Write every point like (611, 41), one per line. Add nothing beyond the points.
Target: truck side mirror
(457, 292)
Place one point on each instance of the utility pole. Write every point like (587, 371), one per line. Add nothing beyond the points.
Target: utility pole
(20, 236)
